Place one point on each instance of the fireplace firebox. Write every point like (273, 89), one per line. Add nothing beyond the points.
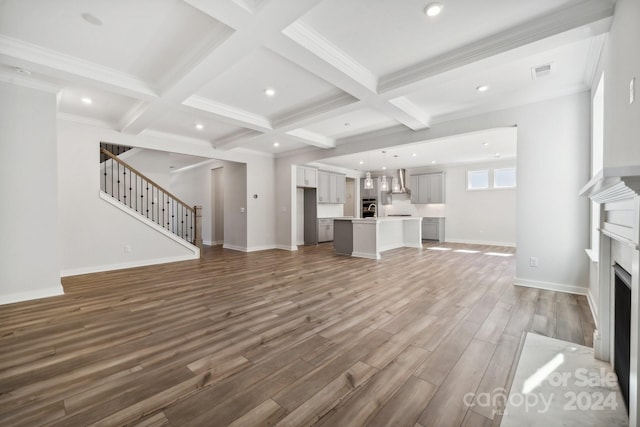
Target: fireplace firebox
(622, 329)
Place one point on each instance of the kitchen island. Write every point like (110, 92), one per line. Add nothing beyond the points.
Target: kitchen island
(368, 237)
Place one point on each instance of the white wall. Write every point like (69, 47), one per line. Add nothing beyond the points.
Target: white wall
(621, 62)
(29, 253)
(235, 206)
(485, 217)
(552, 166)
(95, 233)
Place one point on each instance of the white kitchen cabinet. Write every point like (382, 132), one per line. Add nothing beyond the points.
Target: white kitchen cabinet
(427, 188)
(331, 187)
(325, 230)
(306, 177)
(323, 187)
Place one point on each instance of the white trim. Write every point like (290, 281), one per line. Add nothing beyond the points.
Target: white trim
(593, 256)
(593, 307)
(287, 248)
(260, 248)
(313, 41)
(300, 243)
(212, 242)
(365, 255)
(558, 287)
(123, 265)
(107, 198)
(123, 83)
(234, 247)
(481, 242)
(312, 138)
(31, 295)
(237, 115)
(422, 119)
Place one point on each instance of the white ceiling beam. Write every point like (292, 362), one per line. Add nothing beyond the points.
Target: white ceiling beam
(267, 23)
(595, 14)
(229, 114)
(65, 67)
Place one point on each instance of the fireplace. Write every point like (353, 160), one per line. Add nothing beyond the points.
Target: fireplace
(617, 298)
(622, 329)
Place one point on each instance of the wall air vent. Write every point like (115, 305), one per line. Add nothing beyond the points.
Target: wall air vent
(541, 71)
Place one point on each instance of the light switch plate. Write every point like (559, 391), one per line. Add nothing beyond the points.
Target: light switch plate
(632, 90)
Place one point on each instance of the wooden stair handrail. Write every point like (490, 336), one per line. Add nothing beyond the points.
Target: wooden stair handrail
(115, 158)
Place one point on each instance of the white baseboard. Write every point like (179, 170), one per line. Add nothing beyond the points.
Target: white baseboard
(212, 242)
(550, 286)
(364, 255)
(31, 295)
(123, 265)
(480, 242)
(287, 248)
(234, 247)
(300, 242)
(260, 248)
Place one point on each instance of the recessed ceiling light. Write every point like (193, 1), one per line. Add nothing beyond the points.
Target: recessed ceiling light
(86, 100)
(384, 168)
(433, 9)
(270, 91)
(361, 162)
(276, 144)
(482, 88)
(433, 162)
(23, 71)
(414, 155)
(91, 19)
(497, 154)
(199, 126)
(485, 143)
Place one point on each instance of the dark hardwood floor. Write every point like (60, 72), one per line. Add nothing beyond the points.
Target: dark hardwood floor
(276, 337)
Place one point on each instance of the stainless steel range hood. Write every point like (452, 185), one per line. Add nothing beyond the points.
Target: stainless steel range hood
(402, 182)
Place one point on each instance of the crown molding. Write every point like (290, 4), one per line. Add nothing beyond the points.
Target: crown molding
(320, 46)
(316, 109)
(30, 82)
(568, 18)
(62, 65)
(312, 138)
(85, 121)
(237, 115)
(234, 140)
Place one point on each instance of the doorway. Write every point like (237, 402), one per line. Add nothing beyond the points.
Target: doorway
(217, 206)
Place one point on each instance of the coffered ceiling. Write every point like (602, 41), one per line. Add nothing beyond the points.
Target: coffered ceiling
(338, 68)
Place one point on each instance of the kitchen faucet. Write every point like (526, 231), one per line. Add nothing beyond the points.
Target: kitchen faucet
(375, 209)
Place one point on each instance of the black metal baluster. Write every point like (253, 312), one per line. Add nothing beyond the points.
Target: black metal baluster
(147, 210)
(118, 181)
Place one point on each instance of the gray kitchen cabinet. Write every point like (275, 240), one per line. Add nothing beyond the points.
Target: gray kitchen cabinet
(433, 229)
(427, 188)
(325, 230)
(306, 177)
(340, 188)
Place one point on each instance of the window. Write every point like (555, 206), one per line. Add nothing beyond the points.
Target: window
(491, 179)
(504, 178)
(478, 180)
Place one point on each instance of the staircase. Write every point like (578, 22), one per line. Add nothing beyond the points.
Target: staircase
(144, 197)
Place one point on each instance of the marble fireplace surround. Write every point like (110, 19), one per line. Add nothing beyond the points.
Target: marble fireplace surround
(617, 190)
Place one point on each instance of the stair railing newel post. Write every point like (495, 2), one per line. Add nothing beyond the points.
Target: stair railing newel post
(197, 231)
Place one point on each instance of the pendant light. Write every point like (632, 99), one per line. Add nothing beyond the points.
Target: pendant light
(384, 184)
(396, 186)
(368, 182)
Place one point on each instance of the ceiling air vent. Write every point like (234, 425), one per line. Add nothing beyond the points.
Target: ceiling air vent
(541, 71)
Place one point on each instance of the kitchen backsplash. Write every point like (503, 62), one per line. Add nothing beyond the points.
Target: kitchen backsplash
(404, 207)
(330, 210)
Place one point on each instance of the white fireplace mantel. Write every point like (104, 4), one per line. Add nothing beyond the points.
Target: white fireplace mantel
(617, 190)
